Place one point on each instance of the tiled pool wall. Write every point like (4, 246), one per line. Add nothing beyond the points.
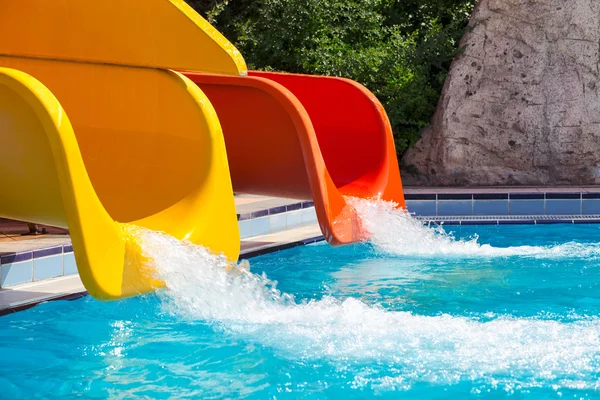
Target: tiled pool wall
(502, 204)
(36, 265)
(451, 208)
(18, 268)
(277, 219)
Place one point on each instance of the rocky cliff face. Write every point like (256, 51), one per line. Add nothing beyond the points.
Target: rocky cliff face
(521, 105)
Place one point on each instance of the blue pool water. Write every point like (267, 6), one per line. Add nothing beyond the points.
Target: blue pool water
(495, 312)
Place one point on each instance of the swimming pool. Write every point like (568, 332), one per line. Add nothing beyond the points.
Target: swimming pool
(511, 313)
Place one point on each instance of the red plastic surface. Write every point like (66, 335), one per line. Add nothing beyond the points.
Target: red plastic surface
(307, 137)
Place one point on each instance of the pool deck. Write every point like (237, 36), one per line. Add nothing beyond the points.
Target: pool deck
(266, 224)
(15, 241)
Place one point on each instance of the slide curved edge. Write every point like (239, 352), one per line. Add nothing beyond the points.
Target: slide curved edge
(97, 240)
(393, 190)
(237, 58)
(165, 34)
(209, 210)
(337, 219)
(349, 104)
(108, 254)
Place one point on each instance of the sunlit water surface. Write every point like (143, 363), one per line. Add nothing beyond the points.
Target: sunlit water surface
(418, 313)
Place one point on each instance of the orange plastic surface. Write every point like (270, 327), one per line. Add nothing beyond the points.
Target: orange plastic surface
(307, 137)
(166, 34)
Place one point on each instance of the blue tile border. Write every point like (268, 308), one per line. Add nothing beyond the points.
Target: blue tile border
(563, 196)
(478, 223)
(553, 221)
(451, 223)
(490, 196)
(9, 258)
(517, 222)
(13, 257)
(512, 220)
(448, 201)
(418, 196)
(519, 203)
(275, 210)
(260, 213)
(243, 217)
(53, 257)
(526, 196)
(455, 196)
(50, 251)
(293, 207)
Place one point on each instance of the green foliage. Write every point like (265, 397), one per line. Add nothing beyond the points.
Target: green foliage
(400, 49)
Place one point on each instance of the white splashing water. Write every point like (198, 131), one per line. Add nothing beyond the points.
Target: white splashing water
(437, 349)
(395, 231)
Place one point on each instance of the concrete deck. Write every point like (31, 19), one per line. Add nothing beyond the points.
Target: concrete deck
(257, 245)
(29, 243)
(248, 204)
(24, 296)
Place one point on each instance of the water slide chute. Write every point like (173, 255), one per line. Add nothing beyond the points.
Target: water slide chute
(96, 134)
(307, 137)
(165, 34)
(143, 145)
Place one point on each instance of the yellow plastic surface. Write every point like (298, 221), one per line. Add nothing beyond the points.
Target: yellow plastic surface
(166, 34)
(139, 146)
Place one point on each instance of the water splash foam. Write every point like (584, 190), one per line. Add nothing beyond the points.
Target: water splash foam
(440, 349)
(395, 231)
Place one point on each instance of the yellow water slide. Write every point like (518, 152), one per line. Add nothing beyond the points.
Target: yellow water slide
(96, 133)
(165, 34)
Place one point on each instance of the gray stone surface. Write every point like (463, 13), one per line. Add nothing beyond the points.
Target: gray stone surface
(521, 105)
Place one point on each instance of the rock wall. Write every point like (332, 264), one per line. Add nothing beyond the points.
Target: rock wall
(521, 105)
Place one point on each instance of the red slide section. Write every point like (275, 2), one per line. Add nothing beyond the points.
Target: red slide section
(307, 137)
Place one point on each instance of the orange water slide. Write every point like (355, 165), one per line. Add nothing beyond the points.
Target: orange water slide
(307, 137)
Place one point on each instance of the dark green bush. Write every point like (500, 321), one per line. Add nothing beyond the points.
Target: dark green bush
(400, 49)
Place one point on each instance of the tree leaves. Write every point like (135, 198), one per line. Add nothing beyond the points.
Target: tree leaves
(400, 49)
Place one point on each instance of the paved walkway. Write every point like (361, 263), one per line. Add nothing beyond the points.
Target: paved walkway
(248, 204)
